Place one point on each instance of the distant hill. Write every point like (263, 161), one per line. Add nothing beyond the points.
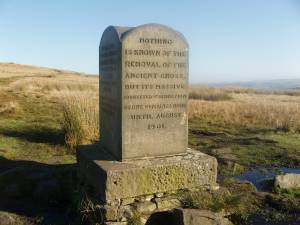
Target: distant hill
(15, 70)
(280, 84)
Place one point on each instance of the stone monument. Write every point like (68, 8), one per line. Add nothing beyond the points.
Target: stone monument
(144, 91)
(142, 154)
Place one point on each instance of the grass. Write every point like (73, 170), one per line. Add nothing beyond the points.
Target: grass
(235, 199)
(290, 193)
(208, 93)
(246, 147)
(254, 112)
(80, 122)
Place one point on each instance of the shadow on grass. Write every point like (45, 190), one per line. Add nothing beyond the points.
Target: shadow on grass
(36, 134)
(38, 191)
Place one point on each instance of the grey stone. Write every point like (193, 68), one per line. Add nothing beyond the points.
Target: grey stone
(167, 203)
(114, 202)
(127, 201)
(145, 207)
(126, 211)
(289, 180)
(198, 217)
(143, 91)
(144, 198)
(123, 219)
(116, 223)
(111, 213)
(149, 197)
(7, 219)
(159, 195)
(114, 180)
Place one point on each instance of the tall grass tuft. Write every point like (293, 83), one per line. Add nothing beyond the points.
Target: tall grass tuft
(80, 118)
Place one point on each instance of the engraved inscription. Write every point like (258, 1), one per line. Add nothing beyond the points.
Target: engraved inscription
(168, 74)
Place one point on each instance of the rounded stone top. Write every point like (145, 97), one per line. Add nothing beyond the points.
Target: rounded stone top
(124, 32)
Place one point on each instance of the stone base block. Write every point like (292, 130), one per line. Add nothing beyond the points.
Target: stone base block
(120, 181)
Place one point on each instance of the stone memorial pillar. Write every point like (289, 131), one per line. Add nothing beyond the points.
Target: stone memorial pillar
(143, 91)
(143, 119)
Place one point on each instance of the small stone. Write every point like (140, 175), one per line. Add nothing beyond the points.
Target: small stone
(167, 203)
(214, 187)
(289, 180)
(111, 213)
(127, 201)
(145, 207)
(149, 197)
(7, 219)
(123, 219)
(115, 223)
(196, 217)
(115, 202)
(159, 195)
(126, 211)
(144, 220)
(140, 199)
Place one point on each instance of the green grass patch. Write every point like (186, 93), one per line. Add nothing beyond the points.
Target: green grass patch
(33, 133)
(248, 147)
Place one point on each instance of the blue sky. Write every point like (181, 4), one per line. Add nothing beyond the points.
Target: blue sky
(230, 40)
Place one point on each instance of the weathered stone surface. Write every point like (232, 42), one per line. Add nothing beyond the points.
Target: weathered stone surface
(289, 180)
(145, 207)
(143, 91)
(114, 202)
(167, 203)
(144, 198)
(159, 195)
(116, 223)
(127, 201)
(7, 219)
(126, 211)
(198, 217)
(111, 213)
(117, 180)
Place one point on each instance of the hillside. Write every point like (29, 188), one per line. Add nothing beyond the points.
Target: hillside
(14, 70)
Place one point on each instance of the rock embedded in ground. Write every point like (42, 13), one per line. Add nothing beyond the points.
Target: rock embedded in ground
(289, 180)
(167, 203)
(145, 207)
(7, 219)
(198, 217)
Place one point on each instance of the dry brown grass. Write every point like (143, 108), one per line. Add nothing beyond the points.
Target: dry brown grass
(80, 117)
(202, 92)
(8, 70)
(76, 93)
(9, 107)
(47, 85)
(265, 111)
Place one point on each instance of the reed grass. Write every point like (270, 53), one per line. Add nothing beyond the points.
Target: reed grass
(259, 112)
(80, 122)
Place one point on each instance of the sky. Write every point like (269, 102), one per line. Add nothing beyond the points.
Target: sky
(230, 40)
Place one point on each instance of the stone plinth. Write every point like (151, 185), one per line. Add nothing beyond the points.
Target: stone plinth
(113, 180)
